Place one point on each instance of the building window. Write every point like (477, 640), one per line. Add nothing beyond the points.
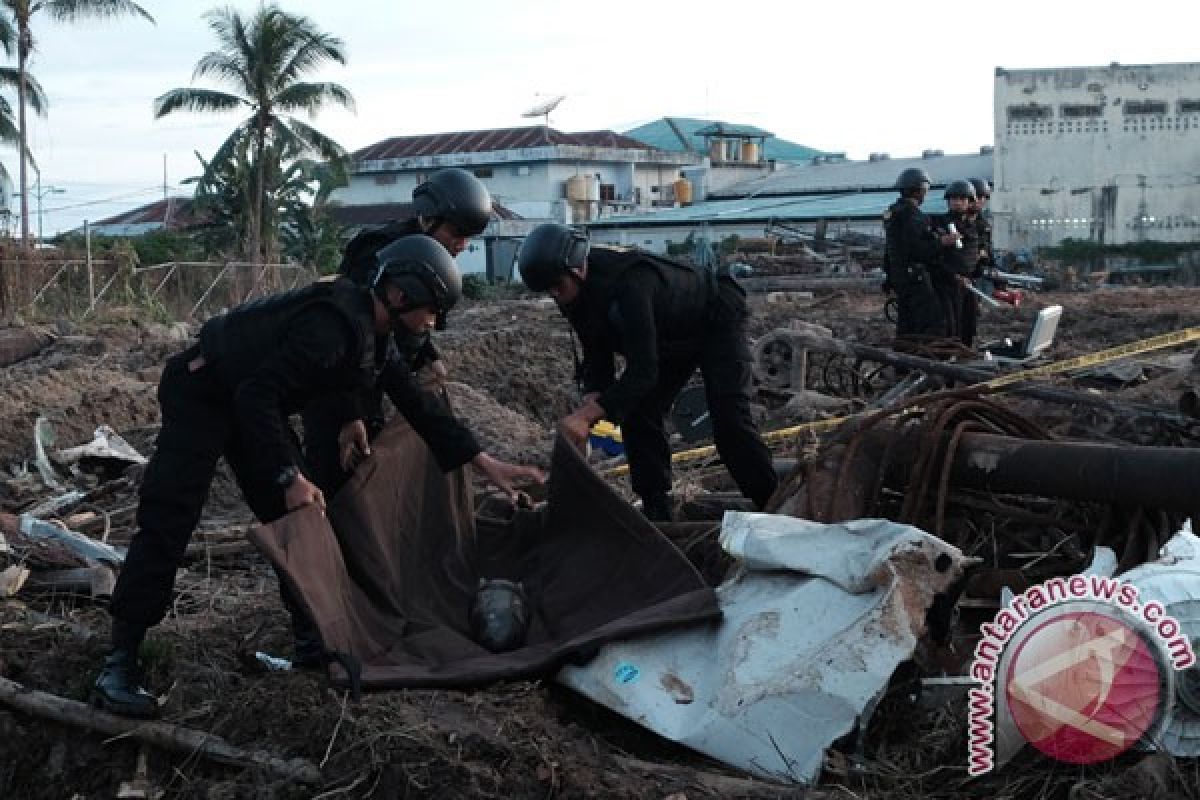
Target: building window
(1030, 111)
(522, 170)
(482, 172)
(385, 180)
(608, 193)
(1189, 106)
(1077, 110)
(1145, 107)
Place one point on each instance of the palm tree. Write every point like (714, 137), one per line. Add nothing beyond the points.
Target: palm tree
(21, 13)
(10, 78)
(263, 60)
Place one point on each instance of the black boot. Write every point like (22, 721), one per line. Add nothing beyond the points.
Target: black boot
(657, 508)
(309, 652)
(117, 688)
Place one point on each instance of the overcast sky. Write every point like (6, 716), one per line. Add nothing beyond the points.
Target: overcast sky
(851, 76)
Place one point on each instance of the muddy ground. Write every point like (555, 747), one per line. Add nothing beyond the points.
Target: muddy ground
(510, 364)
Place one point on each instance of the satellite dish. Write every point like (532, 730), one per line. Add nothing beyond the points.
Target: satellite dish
(544, 109)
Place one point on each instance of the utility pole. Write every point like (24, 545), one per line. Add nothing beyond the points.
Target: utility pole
(87, 238)
(40, 194)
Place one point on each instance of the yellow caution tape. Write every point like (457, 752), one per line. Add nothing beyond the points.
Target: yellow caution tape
(1095, 359)
(1099, 357)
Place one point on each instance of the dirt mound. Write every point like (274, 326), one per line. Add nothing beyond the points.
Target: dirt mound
(503, 432)
(520, 353)
(77, 383)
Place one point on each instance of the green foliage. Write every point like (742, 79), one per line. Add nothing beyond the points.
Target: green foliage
(158, 247)
(476, 287)
(312, 237)
(729, 244)
(251, 183)
(1084, 251)
(684, 248)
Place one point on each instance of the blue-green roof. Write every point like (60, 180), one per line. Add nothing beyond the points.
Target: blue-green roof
(677, 133)
(810, 208)
(726, 129)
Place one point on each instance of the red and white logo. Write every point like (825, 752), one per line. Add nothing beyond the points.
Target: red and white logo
(1084, 686)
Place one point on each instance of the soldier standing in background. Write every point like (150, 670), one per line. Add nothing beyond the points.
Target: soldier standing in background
(912, 254)
(959, 259)
(982, 222)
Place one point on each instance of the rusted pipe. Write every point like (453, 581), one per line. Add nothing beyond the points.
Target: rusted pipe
(1167, 478)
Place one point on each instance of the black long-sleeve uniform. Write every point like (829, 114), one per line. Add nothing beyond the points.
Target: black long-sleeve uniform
(400, 359)
(230, 395)
(913, 257)
(667, 319)
(958, 304)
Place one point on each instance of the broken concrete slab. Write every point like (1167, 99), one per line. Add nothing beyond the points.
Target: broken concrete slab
(813, 626)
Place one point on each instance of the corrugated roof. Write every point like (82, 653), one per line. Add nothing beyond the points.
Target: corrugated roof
(858, 175)
(175, 213)
(681, 135)
(727, 129)
(809, 208)
(438, 144)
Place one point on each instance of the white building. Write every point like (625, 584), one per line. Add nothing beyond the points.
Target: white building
(537, 172)
(1107, 154)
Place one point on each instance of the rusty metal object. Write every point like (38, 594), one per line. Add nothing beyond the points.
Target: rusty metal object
(814, 343)
(993, 484)
(18, 344)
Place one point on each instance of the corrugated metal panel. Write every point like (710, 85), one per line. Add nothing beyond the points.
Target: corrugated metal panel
(812, 627)
(853, 205)
(728, 129)
(679, 134)
(435, 144)
(859, 175)
(176, 212)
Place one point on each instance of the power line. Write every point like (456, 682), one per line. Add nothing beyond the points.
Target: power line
(104, 200)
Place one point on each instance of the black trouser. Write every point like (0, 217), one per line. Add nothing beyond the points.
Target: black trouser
(968, 319)
(726, 365)
(198, 427)
(919, 310)
(950, 296)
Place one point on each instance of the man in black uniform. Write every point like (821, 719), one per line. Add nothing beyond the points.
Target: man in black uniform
(912, 254)
(666, 319)
(959, 260)
(452, 206)
(982, 223)
(231, 395)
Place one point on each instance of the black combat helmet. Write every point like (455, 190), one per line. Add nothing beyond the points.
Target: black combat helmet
(455, 196)
(912, 178)
(548, 252)
(960, 189)
(982, 187)
(424, 270)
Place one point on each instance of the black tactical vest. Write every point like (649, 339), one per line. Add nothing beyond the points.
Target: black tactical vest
(960, 260)
(683, 309)
(237, 342)
(358, 259)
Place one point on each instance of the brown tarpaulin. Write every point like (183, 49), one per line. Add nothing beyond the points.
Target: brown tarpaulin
(393, 588)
